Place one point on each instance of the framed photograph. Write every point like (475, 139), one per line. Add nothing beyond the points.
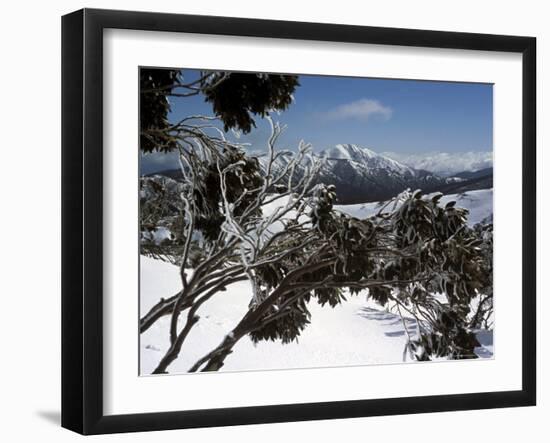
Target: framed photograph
(269, 221)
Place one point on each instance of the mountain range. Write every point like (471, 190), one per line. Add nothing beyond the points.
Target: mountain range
(362, 175)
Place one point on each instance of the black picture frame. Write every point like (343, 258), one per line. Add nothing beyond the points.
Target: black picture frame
(82, 215)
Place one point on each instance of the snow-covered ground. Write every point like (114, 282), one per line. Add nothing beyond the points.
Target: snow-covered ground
(356, 332)
(479, 203)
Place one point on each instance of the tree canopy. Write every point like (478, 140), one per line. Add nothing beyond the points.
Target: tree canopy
(235, 98)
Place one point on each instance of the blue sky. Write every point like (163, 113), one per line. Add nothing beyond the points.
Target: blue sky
(405, 117)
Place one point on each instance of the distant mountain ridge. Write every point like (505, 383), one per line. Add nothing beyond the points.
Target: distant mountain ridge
(468, 175)
(361, 175)
(445, 164)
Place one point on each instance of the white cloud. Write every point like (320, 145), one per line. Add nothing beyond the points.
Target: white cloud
(445, 163)
(362, 109)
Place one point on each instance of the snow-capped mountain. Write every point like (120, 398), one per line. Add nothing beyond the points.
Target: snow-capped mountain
(366, 157)
(362, 175)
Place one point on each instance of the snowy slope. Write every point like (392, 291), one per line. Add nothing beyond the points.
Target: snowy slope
(369, 335)
(355, 333)
(479, 203)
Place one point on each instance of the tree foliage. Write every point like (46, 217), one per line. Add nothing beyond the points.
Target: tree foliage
(234, 96)
(242, 94)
